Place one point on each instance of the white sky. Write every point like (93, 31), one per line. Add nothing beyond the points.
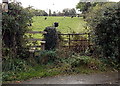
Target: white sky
(54, 5)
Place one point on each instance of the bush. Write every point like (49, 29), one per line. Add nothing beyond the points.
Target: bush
(46, 56)
(64, 52)
(15, 65)
(86, 61)
(104, 23)
(15, 24)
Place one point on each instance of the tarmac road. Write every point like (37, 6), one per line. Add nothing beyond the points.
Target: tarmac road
(98, 78)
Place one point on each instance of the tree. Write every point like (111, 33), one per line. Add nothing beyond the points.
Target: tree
(45, 13)
(66, 12)
(60, 14)
(54, 13)
(50, 12)
(72, 12)
(37, 12)
(15, 24)
(83, 6)
(104, 22)
(69, 12)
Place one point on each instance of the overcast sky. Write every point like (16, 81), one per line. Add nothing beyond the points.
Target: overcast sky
(54, 5)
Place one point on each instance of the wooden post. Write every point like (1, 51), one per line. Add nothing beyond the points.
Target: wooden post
(1, 43)
(69, 40)
(43, 45)
(5, 5)
(89, 40)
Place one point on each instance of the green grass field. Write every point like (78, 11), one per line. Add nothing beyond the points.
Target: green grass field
(66, 25)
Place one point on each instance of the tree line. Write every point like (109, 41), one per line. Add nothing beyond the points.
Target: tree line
(65, 12)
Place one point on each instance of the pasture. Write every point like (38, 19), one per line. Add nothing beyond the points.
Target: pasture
(66, 25)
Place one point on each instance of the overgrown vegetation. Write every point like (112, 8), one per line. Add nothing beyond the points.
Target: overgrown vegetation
(104, 23)
(85, 7)
(19, 65)
(15, 24)
(46, 56)
(14, 46)
(50, 63)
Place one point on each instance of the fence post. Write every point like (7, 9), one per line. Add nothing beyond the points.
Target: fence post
(43, 45)
(69, 40)
(0, 44)
(89, 40)
(5, 5)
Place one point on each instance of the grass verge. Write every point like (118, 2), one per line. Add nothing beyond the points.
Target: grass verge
(40, 71)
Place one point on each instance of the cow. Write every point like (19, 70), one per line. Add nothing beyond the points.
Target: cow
(45, 18)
